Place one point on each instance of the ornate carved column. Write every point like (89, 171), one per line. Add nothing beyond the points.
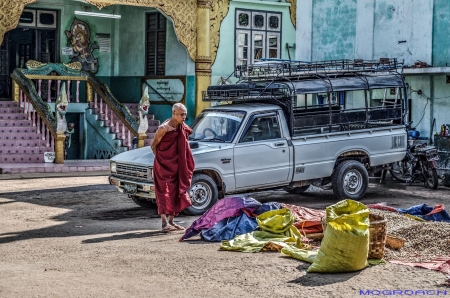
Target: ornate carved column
(59, 148)
(16, 91)
(89, 92)
(141, 139)
(203, 57)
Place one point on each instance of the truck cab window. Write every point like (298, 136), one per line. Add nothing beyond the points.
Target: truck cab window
(262, 128)
(216, 126)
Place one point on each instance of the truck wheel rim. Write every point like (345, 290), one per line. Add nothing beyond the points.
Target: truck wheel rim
(352, 182)
(200, 194)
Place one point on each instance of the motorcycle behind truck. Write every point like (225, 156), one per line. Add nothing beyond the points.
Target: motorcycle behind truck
(420, 164)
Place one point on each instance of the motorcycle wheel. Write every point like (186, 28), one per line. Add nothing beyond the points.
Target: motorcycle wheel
(401, 171)
(432, 178)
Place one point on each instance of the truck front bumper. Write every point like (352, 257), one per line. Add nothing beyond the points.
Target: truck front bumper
(133, 188)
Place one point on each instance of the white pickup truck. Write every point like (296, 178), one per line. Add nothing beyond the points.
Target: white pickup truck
(288, 125)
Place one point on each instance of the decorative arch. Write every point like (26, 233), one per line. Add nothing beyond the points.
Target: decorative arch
(184, 16)
(293, 11)
(10, 12)
(183, 13)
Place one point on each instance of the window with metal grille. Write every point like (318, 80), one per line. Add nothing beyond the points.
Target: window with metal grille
(258, 35)
(155, 63)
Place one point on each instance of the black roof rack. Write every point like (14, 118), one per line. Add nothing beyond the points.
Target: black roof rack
(246, 92)
(276, 69)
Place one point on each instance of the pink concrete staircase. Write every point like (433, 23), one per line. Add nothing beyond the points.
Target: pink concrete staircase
(19, 140)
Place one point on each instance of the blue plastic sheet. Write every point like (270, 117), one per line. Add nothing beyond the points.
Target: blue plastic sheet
(223, 209)
(229, 217)
(423, 211)
(228, 228)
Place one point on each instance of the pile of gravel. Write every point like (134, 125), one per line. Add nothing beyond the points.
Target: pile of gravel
(424, 240)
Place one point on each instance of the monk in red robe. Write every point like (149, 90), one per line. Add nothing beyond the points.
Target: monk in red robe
(173, 167)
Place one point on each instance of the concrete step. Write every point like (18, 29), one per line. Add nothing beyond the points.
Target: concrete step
(13, 116)
(23, 143)
(21, 158)
(69, 166)
(23, 150)
(153, 123)
(152, 129)
(30, 129)
(11, 110)
(9, 104)
(15, 123)
(20, 136)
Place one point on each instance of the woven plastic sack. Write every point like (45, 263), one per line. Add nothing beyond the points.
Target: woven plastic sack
(276, 221)
(345, 244)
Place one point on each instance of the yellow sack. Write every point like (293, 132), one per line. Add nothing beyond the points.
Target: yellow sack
(277, 232)
(300, 254)
(276, 221)
(345, 244)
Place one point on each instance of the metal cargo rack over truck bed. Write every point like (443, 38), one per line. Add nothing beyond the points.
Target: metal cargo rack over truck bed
(299, 88)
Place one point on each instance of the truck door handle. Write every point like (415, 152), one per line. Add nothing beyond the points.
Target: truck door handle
(279, 144)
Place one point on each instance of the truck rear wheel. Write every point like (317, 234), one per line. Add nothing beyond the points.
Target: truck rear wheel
(203, 194)
(144, 203)
(350, 180)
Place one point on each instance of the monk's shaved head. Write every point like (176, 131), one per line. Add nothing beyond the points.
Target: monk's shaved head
(178, 106)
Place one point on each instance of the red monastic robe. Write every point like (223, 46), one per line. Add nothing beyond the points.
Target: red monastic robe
(172, 171)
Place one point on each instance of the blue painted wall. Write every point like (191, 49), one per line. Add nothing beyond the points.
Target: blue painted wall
(224, 63)
(334, 24)
(411, 31)
(441, 40)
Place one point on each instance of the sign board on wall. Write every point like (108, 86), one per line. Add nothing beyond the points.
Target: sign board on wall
(104, 41)
(66, 51)
(165, 88)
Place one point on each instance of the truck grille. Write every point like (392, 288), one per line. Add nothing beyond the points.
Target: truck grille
(134, 172)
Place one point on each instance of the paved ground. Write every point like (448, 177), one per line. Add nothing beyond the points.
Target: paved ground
(79, 237)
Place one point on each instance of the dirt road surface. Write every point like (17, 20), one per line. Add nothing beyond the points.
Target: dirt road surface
(79, 237)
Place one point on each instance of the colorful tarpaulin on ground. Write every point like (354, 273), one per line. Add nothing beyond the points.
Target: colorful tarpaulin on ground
(307, 220)
(229, 217)
(276, 232)
(237, 215)
(223, 209)
(423, 211)
(439, 264)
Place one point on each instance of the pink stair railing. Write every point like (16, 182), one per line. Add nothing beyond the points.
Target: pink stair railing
(116, 125)
(41, 127)
(44, 88)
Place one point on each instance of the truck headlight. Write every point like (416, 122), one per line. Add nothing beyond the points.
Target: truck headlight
(112, 167)
(150, 173)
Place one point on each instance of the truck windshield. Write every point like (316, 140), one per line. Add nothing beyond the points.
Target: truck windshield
(216, 126)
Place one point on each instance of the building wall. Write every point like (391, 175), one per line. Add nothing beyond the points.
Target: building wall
(123, 67)
(224, 63)
(334, 23)
(409, 30)
(126, 82)
(365, 29)
(441, 40)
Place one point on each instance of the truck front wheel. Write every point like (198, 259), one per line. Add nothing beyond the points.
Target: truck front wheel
(203, 194)
(350, 180)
